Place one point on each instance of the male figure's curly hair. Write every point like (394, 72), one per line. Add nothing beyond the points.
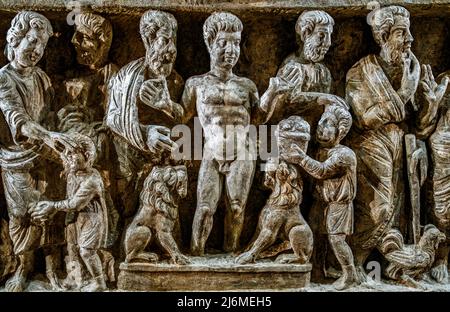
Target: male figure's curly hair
(98, 24)
(343, 117)
(382, 20)
(20, 25)
(154, 21)
(220, 21)
(309, 19)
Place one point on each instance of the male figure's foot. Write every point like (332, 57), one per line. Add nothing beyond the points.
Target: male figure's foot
(197, 251)
(348, 279)
(96, 285)
(245, 258)
(17, 282)
(54, 281)
(332, 273)
(290, 258)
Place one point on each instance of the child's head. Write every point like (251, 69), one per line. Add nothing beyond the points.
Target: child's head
(82, 156)
(333, 125)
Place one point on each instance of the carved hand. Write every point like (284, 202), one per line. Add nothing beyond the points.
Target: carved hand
(294, 155)
(291, 74)
(59, 141)
(158, 139)
(432, 92)
(279, 86)
(331, 99)
(155, 93)
(43, 211)
(410, 78)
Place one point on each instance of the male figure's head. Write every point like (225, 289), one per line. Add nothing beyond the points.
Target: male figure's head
(222, 34)
(27, 38)
(92, 39)
(390, 29)
(81, 157)
(159, 34)
(333, 125)
(315, 29)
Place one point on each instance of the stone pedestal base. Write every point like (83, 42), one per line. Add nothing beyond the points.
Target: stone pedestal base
(213, 274)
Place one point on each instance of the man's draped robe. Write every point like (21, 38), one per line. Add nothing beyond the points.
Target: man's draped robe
(378, 143)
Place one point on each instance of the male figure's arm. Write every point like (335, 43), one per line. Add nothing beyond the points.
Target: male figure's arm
(371, 111)
(188, 100)
(333, 166)
(432, 97)
(123, 121)
(22, 127)
(83, 196)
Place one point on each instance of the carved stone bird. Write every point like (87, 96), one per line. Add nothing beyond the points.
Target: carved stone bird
(408, 263)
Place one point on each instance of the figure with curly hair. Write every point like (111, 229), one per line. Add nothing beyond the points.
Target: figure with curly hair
(226, 105)
(86, 196)
(26, 96)
(336, 172)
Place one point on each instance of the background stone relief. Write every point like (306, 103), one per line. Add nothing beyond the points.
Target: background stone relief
(268, 37)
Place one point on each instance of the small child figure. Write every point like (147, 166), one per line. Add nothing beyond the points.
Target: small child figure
(336, 172)
(85, 198)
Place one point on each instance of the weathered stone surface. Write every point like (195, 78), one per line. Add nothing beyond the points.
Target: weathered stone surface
(124, 73)
(213, 274)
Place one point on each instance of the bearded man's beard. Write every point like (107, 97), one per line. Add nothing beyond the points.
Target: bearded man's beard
(85, 57)
(160, 62)
(313, 51)
(394, 52)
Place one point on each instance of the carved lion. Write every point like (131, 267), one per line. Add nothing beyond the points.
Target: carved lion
(157, 215)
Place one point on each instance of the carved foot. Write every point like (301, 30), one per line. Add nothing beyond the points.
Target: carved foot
(440, 273)
(347, 280)
(54, 281)
(362, 275)
(197, 252)
(245, 258)
(143, 257)
(290, 258)
(181, 259)
(95, 286)
(410, 282)
(16, 283)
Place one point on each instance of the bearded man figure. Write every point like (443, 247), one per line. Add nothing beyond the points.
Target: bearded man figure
(315, 29)
(378, 89)
(85, 99)
(309, 79)
(141, 105)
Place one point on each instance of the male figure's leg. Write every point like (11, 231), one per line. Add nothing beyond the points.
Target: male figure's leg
(209, 190)
(90, 231)
(93, 264)
(20, 192)
(339, 225)
(238, 182)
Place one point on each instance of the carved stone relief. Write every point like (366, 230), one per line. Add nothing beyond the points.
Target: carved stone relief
(357, 170)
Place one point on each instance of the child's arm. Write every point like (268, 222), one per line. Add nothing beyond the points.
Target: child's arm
(79, 200)
(46, 209)
(330, 168)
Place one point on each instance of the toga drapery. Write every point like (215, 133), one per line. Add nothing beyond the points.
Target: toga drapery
(378, 142)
